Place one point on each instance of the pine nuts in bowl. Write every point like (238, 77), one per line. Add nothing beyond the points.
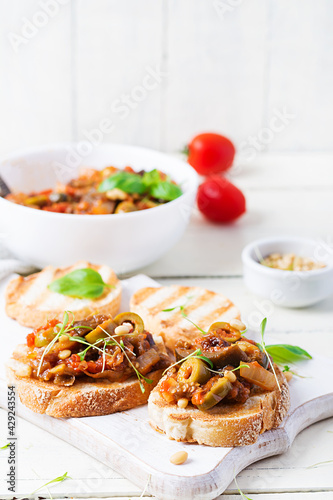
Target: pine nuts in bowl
(289, 271)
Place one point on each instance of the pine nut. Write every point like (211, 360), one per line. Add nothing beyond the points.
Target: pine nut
(123, 329)
(288, 376)
(230, 376)
(64, 354)
(23, 370)
(179, 458)
(116, 194)
(238, 325)
(182, 403)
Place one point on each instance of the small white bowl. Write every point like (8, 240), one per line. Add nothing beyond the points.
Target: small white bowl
(288, 288)
(123, 241)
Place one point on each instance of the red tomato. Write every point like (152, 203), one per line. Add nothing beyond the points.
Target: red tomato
(219, 200)
(31, 339)
(210, 153)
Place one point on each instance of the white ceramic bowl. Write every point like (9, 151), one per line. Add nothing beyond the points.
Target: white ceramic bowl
(124, 241)
(288, 288)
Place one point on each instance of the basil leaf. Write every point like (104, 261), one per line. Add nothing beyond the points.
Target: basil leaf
(83, 283)
(285, 353)
(165, 190)
(151, 178)
(126, 181)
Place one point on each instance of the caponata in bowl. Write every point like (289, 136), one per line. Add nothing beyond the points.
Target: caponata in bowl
(107, 191)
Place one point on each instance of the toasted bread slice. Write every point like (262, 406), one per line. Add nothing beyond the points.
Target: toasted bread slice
(84, 399)
(31, 303)
(224, 424)
(202, 306)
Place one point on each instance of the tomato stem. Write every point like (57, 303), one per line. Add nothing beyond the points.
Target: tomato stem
(185, 151)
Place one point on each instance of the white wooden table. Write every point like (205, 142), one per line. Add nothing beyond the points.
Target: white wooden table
(285, 195)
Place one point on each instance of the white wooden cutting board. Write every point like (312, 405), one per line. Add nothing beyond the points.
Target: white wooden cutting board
(126, 442)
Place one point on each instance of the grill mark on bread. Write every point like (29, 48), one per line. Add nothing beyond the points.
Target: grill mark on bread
(225, 314)
(208, 310)
(161, 298)
(190, 305)
(204, 308)
(147, 292)
(31, 295)
(29, 301)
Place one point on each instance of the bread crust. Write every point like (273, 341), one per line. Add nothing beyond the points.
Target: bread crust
(85, 398)
(204, 306)
(33, 311)
(225, 424)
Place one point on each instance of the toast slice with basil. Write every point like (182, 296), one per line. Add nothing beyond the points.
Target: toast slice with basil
(31, 300)
(163, 310)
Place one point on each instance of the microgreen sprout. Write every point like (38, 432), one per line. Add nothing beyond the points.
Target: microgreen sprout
(183, 313)
(287, 368)
(181, 307)
(320, 464)
(233, 370)
(5, 446)
(63, 329)
(56, 480)
(262, 346)
(195, 354)
(188, 319)
(240, 491)
(138, 374)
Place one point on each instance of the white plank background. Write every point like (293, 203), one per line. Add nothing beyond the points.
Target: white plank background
(228, 65)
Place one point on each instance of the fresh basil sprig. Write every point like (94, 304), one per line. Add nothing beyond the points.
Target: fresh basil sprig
(150, 183)
(150, 178)
(82, 283)
(286, 353)
(126, 181)
(165, 190)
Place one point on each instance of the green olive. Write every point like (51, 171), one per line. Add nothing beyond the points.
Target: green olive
(226, 331)
(125, 207)
(192, 371)
(58, 197)
(101, 331)
(38, 200)
(182, 352)
(218, 391)
(44, 337)
(133, 318)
